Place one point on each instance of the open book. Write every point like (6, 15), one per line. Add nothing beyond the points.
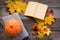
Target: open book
(35, 9)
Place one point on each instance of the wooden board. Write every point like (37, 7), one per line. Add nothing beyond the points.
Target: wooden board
(55, 35)
(55, 28)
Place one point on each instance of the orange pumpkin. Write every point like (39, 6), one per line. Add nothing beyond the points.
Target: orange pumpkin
(13, 27)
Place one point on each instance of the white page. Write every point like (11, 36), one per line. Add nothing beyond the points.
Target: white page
(31, 7)
(41, 11)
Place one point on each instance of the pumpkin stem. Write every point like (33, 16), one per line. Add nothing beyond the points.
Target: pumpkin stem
(11, 26)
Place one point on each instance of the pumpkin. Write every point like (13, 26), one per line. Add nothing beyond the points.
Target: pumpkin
(13, 27)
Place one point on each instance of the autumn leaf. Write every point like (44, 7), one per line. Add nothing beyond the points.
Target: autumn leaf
(16, 5)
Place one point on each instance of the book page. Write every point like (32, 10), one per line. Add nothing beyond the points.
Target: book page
(31, 7)
(41, 11)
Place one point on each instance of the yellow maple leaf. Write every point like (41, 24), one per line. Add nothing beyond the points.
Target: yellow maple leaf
(40, 35)
(40, 22)
(17, 5)
(49, 20)
(46, 30)
(43, 29)
(11, 11)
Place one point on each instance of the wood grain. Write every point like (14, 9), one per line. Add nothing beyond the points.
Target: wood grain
(28, 22)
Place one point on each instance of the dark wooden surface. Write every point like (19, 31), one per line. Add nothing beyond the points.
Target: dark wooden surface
(55, 28)
(28, 22)
(51, 3)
